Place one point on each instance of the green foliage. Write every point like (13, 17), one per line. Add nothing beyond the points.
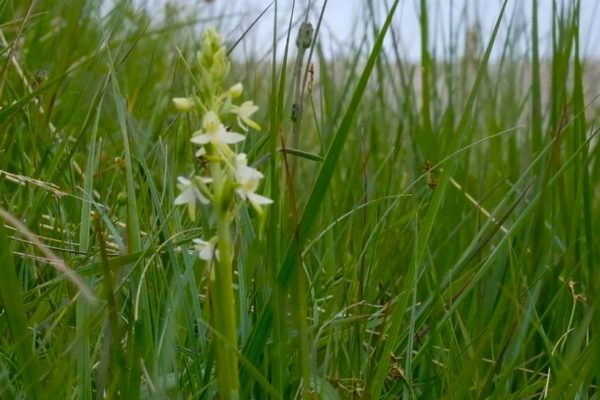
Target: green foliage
(433, 233)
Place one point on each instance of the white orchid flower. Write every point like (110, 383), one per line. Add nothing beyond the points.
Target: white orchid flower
(190, 194)
(248, 179)
(207, 250)
(244, 112)
(215, 132)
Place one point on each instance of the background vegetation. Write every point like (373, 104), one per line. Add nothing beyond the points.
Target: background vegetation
(435, 232)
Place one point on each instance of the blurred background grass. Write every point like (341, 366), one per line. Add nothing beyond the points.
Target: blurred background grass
(435, 232)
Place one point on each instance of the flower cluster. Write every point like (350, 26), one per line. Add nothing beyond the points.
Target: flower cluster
(228, 171)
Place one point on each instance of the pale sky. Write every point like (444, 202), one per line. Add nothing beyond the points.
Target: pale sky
(343, 21)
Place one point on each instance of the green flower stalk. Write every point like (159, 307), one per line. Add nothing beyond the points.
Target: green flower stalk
(230, 182)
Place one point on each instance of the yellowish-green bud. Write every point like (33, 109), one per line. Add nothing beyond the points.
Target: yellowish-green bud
(211, 41)
(183, 104)
(236, 90)
(211, 45)
(220, 65)
(122, 198)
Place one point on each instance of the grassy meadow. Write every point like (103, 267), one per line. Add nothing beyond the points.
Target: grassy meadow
(434, 231)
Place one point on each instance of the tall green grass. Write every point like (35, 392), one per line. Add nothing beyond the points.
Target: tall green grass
(434, 232)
